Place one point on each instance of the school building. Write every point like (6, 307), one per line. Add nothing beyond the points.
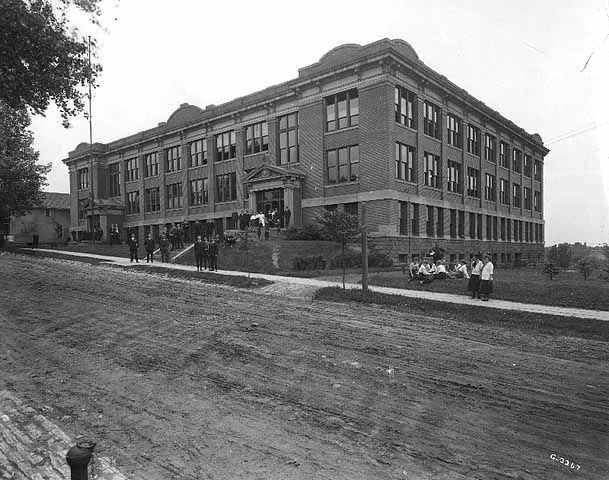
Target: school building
(372, 123)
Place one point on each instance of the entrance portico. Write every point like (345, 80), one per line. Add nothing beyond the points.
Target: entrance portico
(271, 187)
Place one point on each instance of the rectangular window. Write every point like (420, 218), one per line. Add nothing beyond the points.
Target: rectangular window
(173, 159)
(288, 139)
(504, 159)
(516, 160)
(527, 198)
(257, 138)
(479, 225)
(342, 165)
(440, 222)
(342, 110)
(405, 107)
(454, 127)
(472, 225)
(415, 219)
(114, 179)
(199, 191)
(152, 201)
(528, 165)
(473, 140)
(82, 177)
(504, 196)
(489, 227)
(431, 170)
(495, 228)
(403, 218)
(132, 170)
(226, 146)
(516, 198)
(453, 224)
(537, 170)
(490, 188)
(198, 153)
(226, 187)
(508, 229)
(431, 120)
(404, 162)
(133, 202)
(454, 177)
(429, 225)
(151, 165)
(351, 208)
(473, 187)
(503, 229)
(537, 201)
(490, 148)
(174, 195)
(461, 224)
(83, 204)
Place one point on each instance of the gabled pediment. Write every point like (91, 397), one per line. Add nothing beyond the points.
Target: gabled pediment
(267, 172)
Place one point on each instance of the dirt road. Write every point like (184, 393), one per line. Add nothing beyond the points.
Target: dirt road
(179, 380)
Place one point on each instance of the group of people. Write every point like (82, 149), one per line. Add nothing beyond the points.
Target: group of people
(480, 281)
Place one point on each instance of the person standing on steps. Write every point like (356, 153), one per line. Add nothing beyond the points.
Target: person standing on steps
(486, 278)
(474, 281)
(287, 214)
(213, 255)
(133, 248)
(164, 244)
(149, 245)
(199, 247)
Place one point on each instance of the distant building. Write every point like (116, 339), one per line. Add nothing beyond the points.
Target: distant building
(370, 123)
(50, 220)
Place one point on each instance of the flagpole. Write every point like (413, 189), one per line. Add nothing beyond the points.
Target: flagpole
(91, 201)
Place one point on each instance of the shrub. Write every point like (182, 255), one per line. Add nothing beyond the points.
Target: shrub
(551, 269)
(311, 232)
(377, 259)
(312, 262)
(354, 260)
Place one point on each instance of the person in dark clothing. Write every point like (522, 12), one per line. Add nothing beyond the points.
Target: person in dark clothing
(287, 214)
(259, 230)
(35, 239)
(213, 255)
(199, 247)
(149, 245)
(173, 237)
(180, 237)
(133, 247)
(164, 245)
(206, 259)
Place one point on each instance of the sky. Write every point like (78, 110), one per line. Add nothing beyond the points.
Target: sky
(522, 58)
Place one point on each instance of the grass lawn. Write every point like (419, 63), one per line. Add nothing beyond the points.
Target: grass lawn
(532, 323)
(527, 285)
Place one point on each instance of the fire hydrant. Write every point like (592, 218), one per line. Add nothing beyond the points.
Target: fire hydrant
(81, 460)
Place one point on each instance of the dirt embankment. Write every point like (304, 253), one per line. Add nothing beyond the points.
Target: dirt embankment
(175, 379)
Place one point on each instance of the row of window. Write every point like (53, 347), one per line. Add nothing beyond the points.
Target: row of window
(497, 228)
(405, 114)
(226, 191)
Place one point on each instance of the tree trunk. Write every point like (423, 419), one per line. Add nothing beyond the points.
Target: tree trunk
(343, 260)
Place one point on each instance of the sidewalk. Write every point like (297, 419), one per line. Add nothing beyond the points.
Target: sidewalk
(310, 284)
(34, 448)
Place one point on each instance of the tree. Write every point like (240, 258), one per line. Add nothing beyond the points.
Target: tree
(339, 227)
(587, 265)
(560, 255)
(43, 58)
(21, 177)
(551, 269)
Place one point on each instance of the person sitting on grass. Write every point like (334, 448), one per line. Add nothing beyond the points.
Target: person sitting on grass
(439, 274)
(461, 270)
(486, 278)
(413, 270)
(424, 272)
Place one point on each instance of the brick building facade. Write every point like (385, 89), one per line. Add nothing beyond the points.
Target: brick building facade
(372, 124)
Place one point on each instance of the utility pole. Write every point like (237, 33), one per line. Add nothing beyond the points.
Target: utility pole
(364, 251)
(91, 201)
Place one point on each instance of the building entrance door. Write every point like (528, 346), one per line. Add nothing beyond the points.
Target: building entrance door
(269, 201)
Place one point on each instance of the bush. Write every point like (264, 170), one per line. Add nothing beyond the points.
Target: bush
(377, 259)
(354, 260)
(311, 232)
(312, 262)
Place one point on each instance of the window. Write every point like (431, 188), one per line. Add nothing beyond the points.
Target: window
(404, 161)
(198, 153)
(351, 208)
(173, 159)
(199, 191)
(47, 212)
(342, 110)
(114, 179)
(226, 146)
(494, 228)
(429, 224)
(257, 138)
(151, 164)
(440, 222)
(504, 198)
(431, 120)
(537, 170)
(453, 224)
(489, 227)
(82, 177)
(83, 204)
(508, 229)
(405, 107)
(431, 170)
(527, 198)
(454, 177)
(537, 201)
(343, 164)
(490, 148)
(528, 165)
(152, 202)
(472, 225)
(516, 160)
(461, 224)
(490, 188)
(174, 195)
(132, 170)
(504, 159)
(516, 199)
(453, 126)
(473, 140)
(473, 187)
(479, 225)
(226, 187)
(288, 139)
(133, 202)
(403, 218)
(415, 219)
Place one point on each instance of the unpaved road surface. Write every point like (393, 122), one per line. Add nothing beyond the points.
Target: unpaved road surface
(174, 381)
